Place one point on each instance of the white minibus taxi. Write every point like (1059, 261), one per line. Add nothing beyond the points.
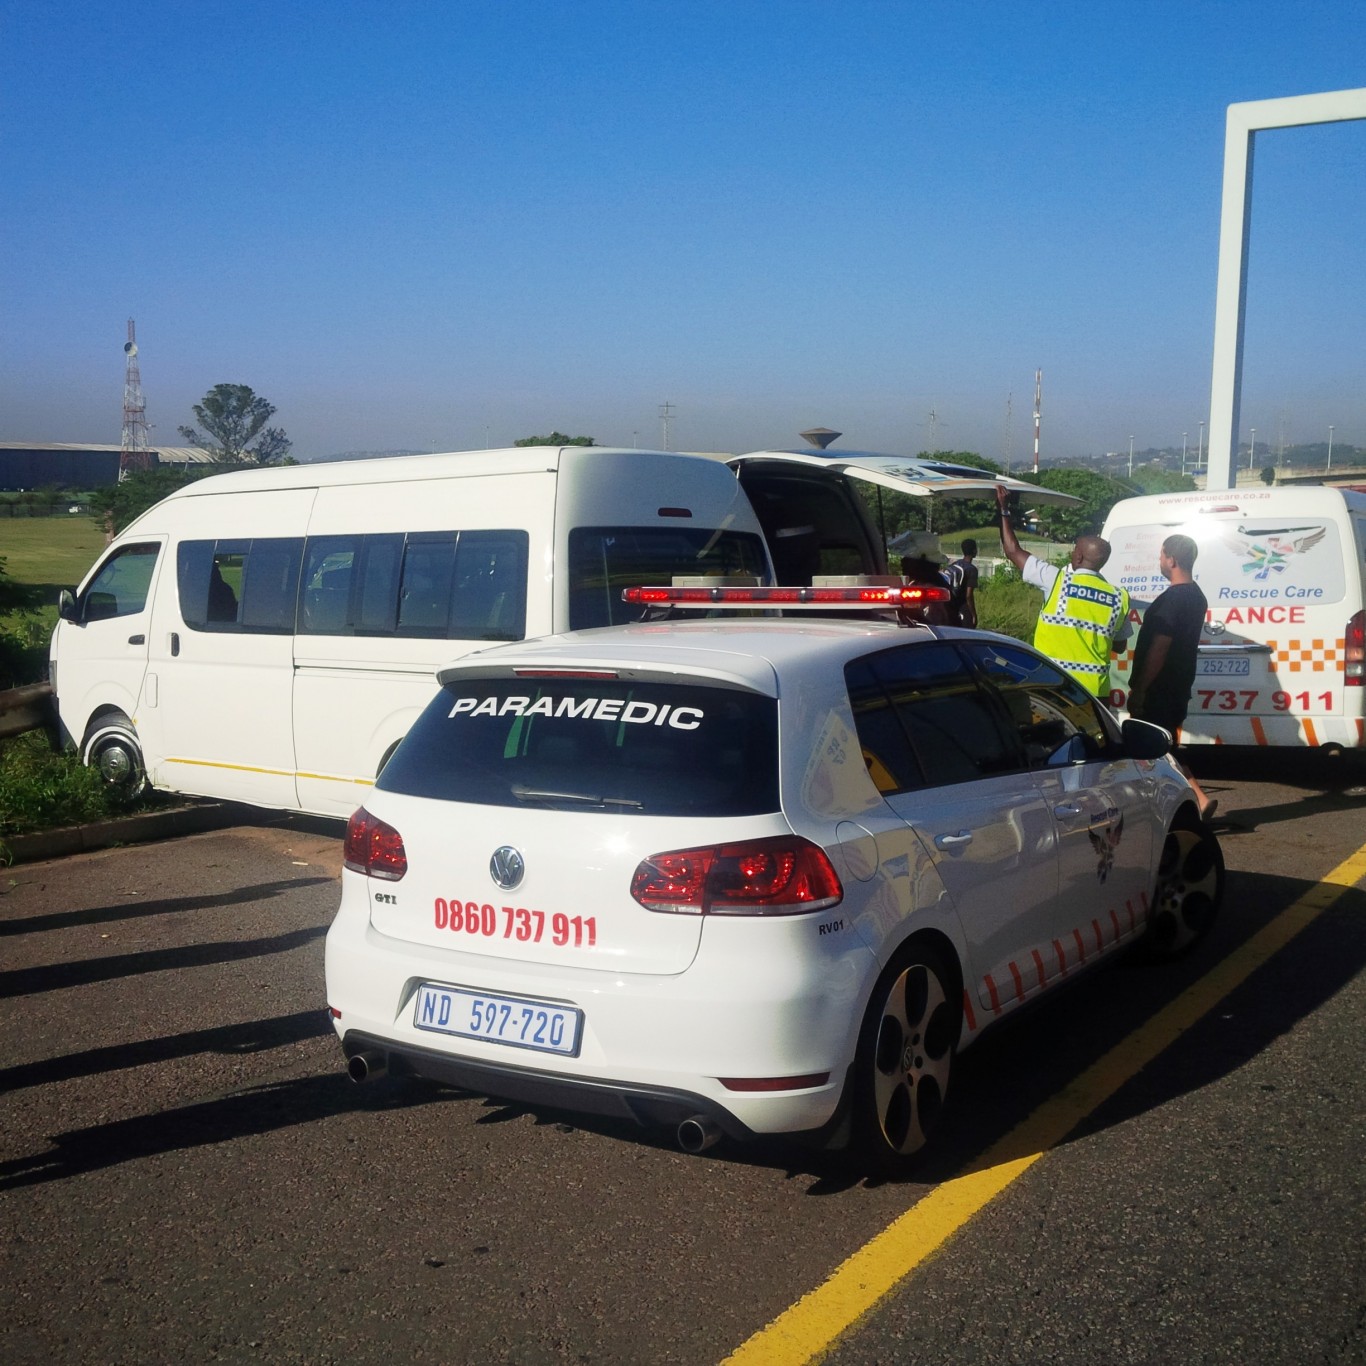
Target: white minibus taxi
(1282, 569)
(269, 635)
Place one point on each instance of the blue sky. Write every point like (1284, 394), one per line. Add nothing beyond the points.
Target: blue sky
(446, 225)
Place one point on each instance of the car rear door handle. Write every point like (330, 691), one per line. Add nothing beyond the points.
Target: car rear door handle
(953, 841)
(1066, 811)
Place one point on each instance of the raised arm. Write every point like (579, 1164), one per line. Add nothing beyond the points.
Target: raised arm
(1014, 551)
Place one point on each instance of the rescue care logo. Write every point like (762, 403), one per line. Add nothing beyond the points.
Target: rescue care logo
(1273, 550)
(583, 709)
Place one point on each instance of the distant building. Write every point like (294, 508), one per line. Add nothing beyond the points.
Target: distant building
(62, 464)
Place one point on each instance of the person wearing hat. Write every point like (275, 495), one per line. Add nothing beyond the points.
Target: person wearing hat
(921, 566)
(1084, 616)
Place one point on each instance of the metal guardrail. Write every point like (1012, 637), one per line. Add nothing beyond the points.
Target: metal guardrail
(24, 709)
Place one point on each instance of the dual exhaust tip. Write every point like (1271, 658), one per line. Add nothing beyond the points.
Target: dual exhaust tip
(369, 1065)
(695, 1134)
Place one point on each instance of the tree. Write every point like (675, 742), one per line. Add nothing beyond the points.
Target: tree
(1097, 493)
(235, 432)
(555, 439)
(1154, 479)
(117, 505)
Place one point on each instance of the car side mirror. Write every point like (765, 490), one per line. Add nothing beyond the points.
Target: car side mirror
(66, 605)
(1144, 740)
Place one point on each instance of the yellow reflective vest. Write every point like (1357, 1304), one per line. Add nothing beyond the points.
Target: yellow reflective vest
(1082, 615)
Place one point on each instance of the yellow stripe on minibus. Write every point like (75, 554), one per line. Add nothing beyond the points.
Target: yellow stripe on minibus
(273, 772)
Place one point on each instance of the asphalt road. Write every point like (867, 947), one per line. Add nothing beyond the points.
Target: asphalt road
(186, 1174)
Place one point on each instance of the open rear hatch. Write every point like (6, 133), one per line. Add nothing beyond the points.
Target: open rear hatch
(920, 478)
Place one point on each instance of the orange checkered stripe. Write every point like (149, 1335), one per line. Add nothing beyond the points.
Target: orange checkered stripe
(1287, 656)
(1306, 656)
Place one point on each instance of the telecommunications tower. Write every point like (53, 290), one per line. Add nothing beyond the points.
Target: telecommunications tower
(1038, 410)
(133, 455)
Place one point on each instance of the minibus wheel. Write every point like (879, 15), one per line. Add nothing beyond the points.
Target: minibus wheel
(111, 748)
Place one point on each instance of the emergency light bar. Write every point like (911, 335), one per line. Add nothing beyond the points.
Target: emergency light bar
(874, 597)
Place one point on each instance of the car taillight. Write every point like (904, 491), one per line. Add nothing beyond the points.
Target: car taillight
(1355, 652)
(783, 875)
(374, 848)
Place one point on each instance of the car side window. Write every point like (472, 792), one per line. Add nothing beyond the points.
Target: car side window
(1058, 722)
(924, 720)
(121, 586)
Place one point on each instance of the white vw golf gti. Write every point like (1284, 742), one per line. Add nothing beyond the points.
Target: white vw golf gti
(750, 876)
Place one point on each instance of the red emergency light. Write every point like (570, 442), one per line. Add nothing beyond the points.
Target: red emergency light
(874, 597)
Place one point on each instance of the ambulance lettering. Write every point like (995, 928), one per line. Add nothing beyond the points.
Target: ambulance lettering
(1279, 615)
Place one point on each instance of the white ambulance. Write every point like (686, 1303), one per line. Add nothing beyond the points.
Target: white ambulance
(269, 635)
(1280, 659)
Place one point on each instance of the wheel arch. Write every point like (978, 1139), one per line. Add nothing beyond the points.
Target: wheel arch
(111, 733)
(941, 946)
(102, 718)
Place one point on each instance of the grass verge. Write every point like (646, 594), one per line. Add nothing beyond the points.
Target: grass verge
(42, 790)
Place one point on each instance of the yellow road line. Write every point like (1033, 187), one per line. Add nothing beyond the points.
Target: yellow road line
(806, 1330)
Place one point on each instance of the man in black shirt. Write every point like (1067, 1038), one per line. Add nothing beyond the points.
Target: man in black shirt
(962, 576)
(1164, 657)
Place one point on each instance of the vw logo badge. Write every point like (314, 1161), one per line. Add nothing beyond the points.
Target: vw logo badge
(506, 867)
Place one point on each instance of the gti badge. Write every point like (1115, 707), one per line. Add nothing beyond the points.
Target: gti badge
(506, 867)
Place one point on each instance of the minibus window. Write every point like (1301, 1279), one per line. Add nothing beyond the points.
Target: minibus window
(239, 585)
(194, 559)
(424, 599)
(271, 584)
(326, 595)
(435, 585)
(225, 586)
(120, 588)
(378, 565)
(489, 597)
(604, 560)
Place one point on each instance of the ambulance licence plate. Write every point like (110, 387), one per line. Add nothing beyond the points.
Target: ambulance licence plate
(498, 1019)
(1238, 667)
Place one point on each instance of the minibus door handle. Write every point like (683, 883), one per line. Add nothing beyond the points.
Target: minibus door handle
(175, 643)
(137, 640)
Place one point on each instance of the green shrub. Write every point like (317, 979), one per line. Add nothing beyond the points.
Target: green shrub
(42, 790)
(1007, 604)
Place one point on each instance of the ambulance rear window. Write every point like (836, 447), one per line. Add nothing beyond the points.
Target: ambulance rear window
(1262, 562)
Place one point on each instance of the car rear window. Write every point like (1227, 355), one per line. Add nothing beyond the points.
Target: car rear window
(657, 749)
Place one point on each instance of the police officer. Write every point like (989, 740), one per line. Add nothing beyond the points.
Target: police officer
(1084, 616)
